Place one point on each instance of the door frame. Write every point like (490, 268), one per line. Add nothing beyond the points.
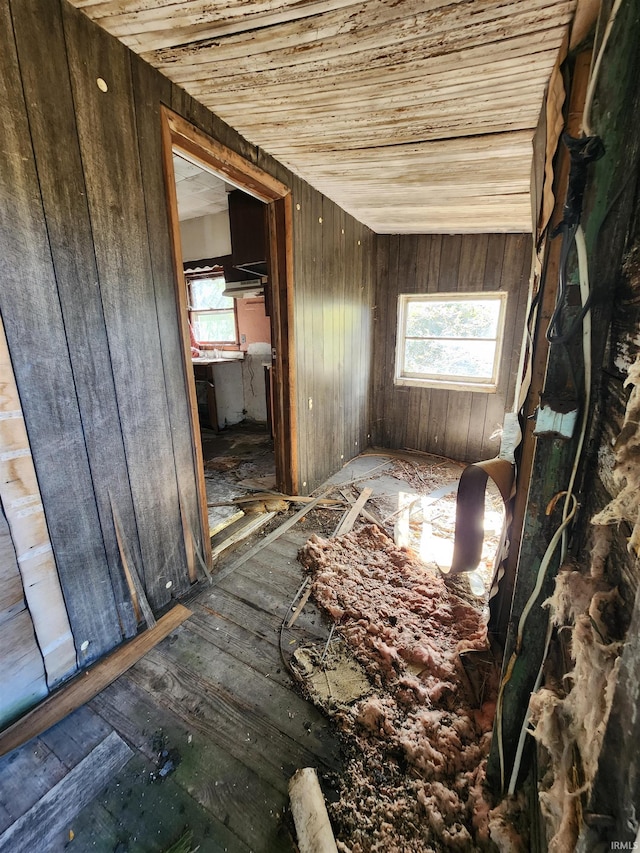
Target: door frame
(213, 156)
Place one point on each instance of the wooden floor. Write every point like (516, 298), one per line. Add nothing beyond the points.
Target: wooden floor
(216, 698)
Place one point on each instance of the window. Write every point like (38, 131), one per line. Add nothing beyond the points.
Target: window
(212, 315)
(450, 340)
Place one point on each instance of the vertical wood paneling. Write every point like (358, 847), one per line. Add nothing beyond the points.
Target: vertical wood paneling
(92, 324)
(315, 343)
(453, 423)
(108, 143)
(332, 298)
(37, 340)
(40, 39)
(330, 391)
(476, 435)
(150, 91)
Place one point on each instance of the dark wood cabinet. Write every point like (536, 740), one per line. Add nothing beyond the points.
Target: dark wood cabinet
(248, 224)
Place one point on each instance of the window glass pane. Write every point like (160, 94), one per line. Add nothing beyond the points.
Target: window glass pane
(207, 293)
(465, 318)
(215, 327)
(473, 359)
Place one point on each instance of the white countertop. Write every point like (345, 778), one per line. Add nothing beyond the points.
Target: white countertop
(229, 360)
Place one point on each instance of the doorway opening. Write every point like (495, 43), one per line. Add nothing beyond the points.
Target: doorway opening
(231, 232)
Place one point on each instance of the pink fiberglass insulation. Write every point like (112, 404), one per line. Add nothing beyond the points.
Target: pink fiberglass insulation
(570, 723)
(415, 778)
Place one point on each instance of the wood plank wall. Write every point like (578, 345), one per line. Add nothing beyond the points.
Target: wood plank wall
(457, 424)
(88, 304)
(334, 286)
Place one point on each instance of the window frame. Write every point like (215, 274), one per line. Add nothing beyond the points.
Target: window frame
(450, 381)
(215, 272)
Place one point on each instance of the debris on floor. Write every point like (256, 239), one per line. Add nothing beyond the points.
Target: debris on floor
(167, 758)
(418, 739)
(184, 844)
(313, 828)
(333, 679)
(222, 463)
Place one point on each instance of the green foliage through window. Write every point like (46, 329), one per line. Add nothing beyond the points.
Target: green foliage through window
(452, 339)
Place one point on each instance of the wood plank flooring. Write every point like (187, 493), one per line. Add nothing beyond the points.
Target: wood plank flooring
(217, 698)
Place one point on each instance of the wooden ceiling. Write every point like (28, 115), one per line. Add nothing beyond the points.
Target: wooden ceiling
(415, 116)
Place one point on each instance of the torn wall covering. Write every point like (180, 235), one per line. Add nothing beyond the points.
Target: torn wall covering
(570, 717)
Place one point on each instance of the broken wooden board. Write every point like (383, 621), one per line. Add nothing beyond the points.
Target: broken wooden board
(226, 522)
(263, 496)
(258, 483)
(286, 525)
(138, 595)
(37, 828)
(349, 520)
(89, 683)
(252, 525)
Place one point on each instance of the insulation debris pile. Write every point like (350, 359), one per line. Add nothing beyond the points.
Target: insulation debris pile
(571, 716)
(414, 781)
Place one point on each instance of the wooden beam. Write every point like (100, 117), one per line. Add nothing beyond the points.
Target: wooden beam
(37, 829)
(252, 526)
(89, 683)
(306, 596)
(227, 163)
(275, 534)
(181, 305)
(349, 520)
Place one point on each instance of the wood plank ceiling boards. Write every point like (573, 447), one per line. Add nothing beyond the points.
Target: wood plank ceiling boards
(414, 117)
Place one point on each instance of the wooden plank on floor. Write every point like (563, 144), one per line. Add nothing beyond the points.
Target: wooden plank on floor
(275, 707)
(252, 524)
(73, 738)
(89, 683)
(239, 713)
(25, 776)
(242, 611)
(37, 827)
(271, 537)
(149, 817)
(229, 790)
(346, 525)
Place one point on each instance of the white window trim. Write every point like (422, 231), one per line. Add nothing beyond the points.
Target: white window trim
(450, 383)
(193, 278)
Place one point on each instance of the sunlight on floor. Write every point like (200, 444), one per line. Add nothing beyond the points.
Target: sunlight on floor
(426, 525)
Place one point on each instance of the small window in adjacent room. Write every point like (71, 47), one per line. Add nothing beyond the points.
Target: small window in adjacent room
(212, 314)
(450, 340)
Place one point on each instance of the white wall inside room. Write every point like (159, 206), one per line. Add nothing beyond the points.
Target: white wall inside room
(253, 381)
(205, 237)
(227, 379)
